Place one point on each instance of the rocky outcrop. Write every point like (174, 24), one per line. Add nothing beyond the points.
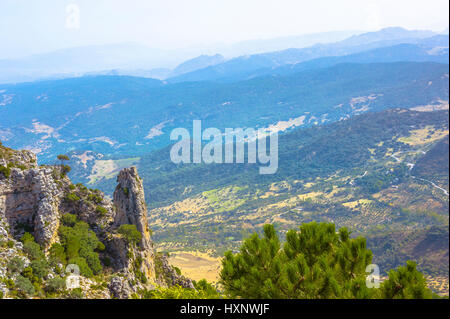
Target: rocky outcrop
(24, 159)
(169, 276)
(129, 200)
(136, 261)
(30, 198)
(35, 198)
(120, 288)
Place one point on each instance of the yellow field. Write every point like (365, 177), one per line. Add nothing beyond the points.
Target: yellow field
(438, 284)
(357, 203)
(423, 136)
(109, 168)
(196, 265)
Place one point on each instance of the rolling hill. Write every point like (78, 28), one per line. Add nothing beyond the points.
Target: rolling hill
(355, 173)
(120, 116)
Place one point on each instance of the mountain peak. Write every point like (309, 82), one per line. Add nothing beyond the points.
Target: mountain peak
(197, 63)
(386, 34)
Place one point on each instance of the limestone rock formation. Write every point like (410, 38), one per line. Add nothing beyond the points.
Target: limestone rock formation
(31, 196)
(35, 199)
(171, 277)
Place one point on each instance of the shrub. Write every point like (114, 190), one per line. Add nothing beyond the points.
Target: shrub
(93, 261)
(24, 286)
(177, 292)
(33, 250)
(100, 246)
(15, 265)
(27, 237)
(76, 293)
(177, 270)
(6, 171)
(40, 268)
(97, 199)
(73, 245)
(206, 288)
(101, 210)
(65, 169)
(56, 284)
(106, 261)
(131, 234)
(28, 273)
(80, 245)
(72, 198)
(69, 220)
(57, 255)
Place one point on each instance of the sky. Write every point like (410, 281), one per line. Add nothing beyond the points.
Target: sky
(36, 26)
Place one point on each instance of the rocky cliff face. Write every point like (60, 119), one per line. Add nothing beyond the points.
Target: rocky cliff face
(30, 197)
(130, 209)
(34, 199)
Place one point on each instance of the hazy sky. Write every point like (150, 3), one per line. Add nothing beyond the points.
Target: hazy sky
(31, 26)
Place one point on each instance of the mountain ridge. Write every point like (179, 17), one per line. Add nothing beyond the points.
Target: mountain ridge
(134, 115)
(242, 65)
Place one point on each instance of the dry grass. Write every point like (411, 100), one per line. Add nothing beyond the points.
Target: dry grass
(438, 285)
(423, 136)
(196, 265)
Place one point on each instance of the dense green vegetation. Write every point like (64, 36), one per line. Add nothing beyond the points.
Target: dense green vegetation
(434, 165)
(304, 153)
(203, 290)
(392, 247)
(358, 167)
(30, 278)
(131, 234)
(315, 262)
(80, 244)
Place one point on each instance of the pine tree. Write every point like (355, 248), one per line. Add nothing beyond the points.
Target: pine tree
(316, 261)
(255, 272)
(405, 283)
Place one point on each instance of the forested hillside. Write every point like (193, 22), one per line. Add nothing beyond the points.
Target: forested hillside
(356, 173)
(126, 116)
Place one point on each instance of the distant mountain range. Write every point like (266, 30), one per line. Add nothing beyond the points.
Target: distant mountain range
(197, 63)
(78, 61)
(136, 60)
(117, 115)
(283, 43)
(434, 48)
(387, 34)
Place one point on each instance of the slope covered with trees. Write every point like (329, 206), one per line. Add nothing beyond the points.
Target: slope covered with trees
(356, 173)
(126, 116)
